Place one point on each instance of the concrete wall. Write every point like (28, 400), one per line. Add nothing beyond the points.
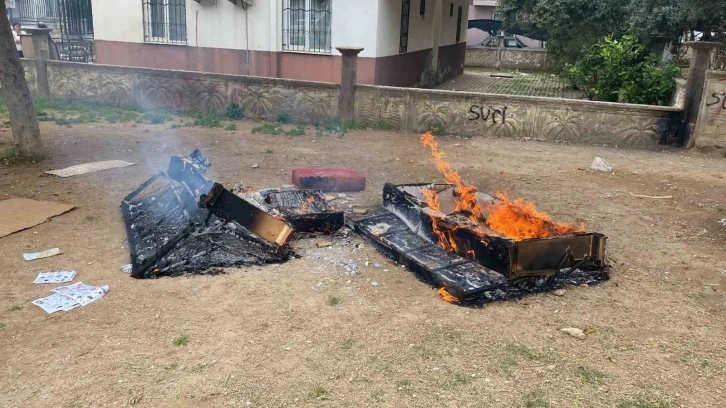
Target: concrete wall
(561, 120)
(458, 113)
(711, 124)
(532, 59)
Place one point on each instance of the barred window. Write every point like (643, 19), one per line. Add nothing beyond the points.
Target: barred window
(165, 21)
(306, 25)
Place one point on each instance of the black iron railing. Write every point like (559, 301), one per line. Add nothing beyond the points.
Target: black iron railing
(307, 25)
(33, 12)
(165, 21)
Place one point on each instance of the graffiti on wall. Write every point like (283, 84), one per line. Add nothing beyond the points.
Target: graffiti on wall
(477, 112)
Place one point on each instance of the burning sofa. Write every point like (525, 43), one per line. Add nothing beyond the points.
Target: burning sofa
(476, 246)
(179, 222)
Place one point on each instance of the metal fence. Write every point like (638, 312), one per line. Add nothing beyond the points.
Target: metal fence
(307, 26)
(71, 21)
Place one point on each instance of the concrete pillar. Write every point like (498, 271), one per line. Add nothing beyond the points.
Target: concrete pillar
(700, 60)
(438, 12)
(41, 56)
(348, 78)
(500, 47)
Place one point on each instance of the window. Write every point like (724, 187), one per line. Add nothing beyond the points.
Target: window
(458, 24)
(451, 10)
(497, 15)
(405, 14)
(165, 21)
(422, 9)
(307, 25)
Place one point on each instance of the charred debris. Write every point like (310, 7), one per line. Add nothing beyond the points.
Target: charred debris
(180, 222)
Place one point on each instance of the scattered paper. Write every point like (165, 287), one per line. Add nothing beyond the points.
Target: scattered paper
(32, 256)
(55, 277)
(574, 332)
(126, 268)
(601, 165)
(650, 196)
(89, 168)
(82, 293)
(55, 303)
(723, 222)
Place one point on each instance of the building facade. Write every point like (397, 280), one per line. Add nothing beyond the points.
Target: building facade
(293, 39)
(481, 10)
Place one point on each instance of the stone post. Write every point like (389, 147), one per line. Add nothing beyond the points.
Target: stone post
(348, 78)
(500, 46)
(41, 56)
(700, 60)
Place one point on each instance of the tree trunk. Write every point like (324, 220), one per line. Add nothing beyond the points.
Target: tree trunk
(14, 89)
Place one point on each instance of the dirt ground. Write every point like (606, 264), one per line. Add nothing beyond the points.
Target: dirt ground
(271, 336)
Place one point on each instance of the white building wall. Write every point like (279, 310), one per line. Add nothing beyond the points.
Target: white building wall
(224, 25)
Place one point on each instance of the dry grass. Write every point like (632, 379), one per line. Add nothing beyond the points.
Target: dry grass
(268, 336)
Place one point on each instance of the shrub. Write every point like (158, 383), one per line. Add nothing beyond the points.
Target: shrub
(623, 71)
(234, 112)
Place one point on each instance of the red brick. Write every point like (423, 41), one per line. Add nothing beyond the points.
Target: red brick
(330, 179)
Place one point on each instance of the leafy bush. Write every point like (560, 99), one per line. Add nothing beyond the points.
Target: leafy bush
(623, 71)
(208, 120)
(234, 112)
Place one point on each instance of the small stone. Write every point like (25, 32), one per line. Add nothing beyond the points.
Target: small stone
(319, 285)
(255, 166)
(330, 197)
(323, 244)
(360, 211)
(584, 285)
(574, 332)
(559, 292)
(341, 195)
(374, 283)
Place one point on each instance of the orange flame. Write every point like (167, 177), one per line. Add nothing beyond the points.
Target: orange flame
(515, 219)
(447, 296)
(306, 206)
(521, 220)
(467, 193)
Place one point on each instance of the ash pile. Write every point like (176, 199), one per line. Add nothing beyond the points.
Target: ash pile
(180, 222)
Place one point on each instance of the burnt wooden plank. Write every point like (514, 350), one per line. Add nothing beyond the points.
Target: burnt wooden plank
(461, 277)
(305, 210)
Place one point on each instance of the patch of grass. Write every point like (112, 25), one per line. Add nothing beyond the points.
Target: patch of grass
(461, 379)
(334, 301)
(437, 129)
(284, 118)
(231, 127)
(8, 155)
(90, 218)
(522, 351)
(3, 326)
(641, 403)
(348, 344)
(269, 151)
(172, 366)
(174, 126)
(319, 392)
(590, 376)
(299, 130)
(157, 118)
(234, 112)
(182, 340)
(535, 399)
(268, 129)
(208, 120)
(338, 126)
(403, 386)
(15, 308)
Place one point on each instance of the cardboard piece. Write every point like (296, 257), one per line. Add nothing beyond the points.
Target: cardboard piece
(89, 168)
(18, 214)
